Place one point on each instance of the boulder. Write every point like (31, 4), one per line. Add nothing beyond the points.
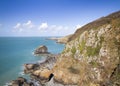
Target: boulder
(41, 50)
(21, 80)
(28, 68)
(18, 82)
(14, 83)
(43, 73)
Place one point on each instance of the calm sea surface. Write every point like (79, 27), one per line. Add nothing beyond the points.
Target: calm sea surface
(16, 51)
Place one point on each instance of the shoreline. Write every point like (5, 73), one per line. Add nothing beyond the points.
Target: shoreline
(46, 64)
(61, 40)
(33, 59)
(31, 69)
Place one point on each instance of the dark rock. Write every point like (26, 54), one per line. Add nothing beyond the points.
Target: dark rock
(41, 50)
(15, 83)
(28, 84)
(28, 68)
(18, 82)
(21, 79)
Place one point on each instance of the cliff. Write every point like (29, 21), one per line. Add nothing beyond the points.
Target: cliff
(92, 55)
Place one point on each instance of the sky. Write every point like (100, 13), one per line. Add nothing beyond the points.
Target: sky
(50, 17)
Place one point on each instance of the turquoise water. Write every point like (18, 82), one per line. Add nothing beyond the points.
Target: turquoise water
(16, 51)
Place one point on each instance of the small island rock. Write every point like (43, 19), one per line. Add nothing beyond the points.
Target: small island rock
(41, 50)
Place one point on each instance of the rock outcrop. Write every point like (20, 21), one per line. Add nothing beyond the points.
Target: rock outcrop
(41, 71)
(41, 50)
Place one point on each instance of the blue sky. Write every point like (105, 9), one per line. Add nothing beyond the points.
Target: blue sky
(50, 17)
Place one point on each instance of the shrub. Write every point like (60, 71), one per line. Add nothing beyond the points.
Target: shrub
(73, 50)
(93, 51)
(73, 70)
(82, 46)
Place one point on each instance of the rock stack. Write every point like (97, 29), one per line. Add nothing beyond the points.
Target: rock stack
(41, 50)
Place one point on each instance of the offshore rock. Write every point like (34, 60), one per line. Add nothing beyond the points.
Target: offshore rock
(41, 50)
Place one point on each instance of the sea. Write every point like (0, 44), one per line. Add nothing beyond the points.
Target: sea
(16, 51)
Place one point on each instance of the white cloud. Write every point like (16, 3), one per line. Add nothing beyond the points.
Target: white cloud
(28, 24)
(17, 26)
(28, 28)
(43, 26)
(23, 27)
(53, 29)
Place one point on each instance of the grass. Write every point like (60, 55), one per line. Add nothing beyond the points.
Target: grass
(73, 50)
(94, 63)
(92, 51)
(116, 23)
(73, 70)
(101, 39)
(82, 46)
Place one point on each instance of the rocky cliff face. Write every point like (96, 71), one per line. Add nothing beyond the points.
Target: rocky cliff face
(92, 57)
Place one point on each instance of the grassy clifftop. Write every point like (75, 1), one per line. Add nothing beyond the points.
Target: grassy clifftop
(97, 23)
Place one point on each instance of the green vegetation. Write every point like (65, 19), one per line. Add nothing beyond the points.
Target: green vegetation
(101, 39)
(93, 51)
(116, 23)
(82, 46)
(94, 63)
(73, 70)
(73, 50)
(96, 36)
(65, 51)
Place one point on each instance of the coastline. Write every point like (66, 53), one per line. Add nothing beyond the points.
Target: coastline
(30, 68)
(61, 40)
(19, 55)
